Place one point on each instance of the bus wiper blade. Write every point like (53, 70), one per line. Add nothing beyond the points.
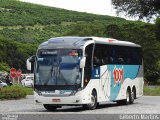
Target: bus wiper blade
(51, 71)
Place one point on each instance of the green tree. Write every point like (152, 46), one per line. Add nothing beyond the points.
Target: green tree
(4, 67)
(138, 8)
(157, 24)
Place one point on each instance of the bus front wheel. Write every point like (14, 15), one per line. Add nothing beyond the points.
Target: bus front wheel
(93, 103)
(50, 107)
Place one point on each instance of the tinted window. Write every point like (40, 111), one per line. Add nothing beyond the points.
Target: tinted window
(114, 54)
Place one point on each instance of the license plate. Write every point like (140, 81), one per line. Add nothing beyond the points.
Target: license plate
(56, 100)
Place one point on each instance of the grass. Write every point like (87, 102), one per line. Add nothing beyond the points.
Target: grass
(14, 92)
(151, 91)
(29, 91)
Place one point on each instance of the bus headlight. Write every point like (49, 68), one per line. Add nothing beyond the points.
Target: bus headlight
(38, 92)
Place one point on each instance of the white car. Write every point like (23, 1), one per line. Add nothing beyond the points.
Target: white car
(27, 82)
(3, 84)
(29, 77)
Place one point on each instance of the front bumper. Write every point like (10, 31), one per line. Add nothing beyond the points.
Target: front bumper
(68, 100)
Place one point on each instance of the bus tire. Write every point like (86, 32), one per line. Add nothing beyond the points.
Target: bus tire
(129, 97)
(93, 105)
(50, 107)
(134, 92)
(132, 97)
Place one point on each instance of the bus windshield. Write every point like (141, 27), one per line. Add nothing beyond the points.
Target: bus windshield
(58, 67)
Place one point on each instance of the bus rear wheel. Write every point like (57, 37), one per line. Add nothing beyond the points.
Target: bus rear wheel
(50, 107)
(93, 103)
(129, 98)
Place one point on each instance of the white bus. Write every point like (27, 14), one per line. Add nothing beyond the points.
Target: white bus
(87, 71)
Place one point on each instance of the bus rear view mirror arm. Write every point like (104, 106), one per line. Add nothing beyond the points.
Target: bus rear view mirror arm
(83, 62)
(30, 63)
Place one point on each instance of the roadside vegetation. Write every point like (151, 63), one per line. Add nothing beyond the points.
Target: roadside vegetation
(14, 92)
(151, 91)
(28, 90)
(23, 26)
(18, 92)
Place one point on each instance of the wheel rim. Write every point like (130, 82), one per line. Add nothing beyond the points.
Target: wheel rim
(93, 99)
(132, 96)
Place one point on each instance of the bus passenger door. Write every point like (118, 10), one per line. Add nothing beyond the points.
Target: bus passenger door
(105, 77)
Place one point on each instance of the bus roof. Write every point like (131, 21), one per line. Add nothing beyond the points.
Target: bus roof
(78, 42)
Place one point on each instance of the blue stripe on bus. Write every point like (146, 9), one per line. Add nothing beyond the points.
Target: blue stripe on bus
(129, 71)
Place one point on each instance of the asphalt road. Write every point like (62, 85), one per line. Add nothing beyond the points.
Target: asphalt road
(142, 105)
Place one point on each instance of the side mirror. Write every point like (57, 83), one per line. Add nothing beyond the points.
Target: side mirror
(30, 63)
(83, 62)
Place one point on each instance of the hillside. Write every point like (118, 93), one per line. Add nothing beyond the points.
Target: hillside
(34, 23)
(20, 13)
(23, 26)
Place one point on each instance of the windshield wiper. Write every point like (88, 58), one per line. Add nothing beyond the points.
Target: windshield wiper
(49, 77)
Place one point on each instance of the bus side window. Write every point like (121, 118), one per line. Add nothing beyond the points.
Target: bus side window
(88, 65)
(105, 60)
(135, 56)
(111, 60)
(120, 54)
(105, 55)
(120, 60)
(96, 61)
(113, 57)
(127, 56)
